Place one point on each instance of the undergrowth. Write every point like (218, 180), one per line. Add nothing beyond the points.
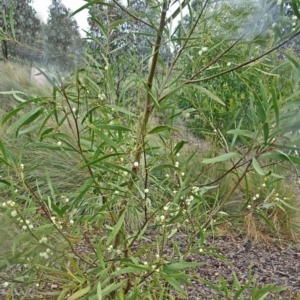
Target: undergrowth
(97, 186)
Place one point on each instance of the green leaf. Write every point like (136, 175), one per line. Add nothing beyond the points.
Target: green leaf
(263, 92)
(160, 128)
(175, 284)
(266, 132)
(116, 229)
(223, 157)
(122, 110)
(264, 291)
(241, 132)
(258, 168)
(112, 127)
(45, 121)
(49, 183)
(90, 3)
(2, 148)
(240, 289)
(79, 293)
(104, 137)
(50, 147)
(292, 60)
(54, 271)
(209, 94)
(10, 115)
(93, 162)
(111, 166)
(131, 269)
(268, 222)
(288, 205)
(204, 189)
(117, 23)
(99, 291)
(112, 287)
(25, 120)
(161, 167)
(282, 156)
(29, 129)
(275, 106)
(210, 284)
(184, 265)
(261, 111)
(295, 5)
(179, 146)
(150, 93)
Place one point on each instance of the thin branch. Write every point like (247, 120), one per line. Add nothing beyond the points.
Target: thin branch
(245, 63)
(191, 32)
(178, 10)
(148, 106)
(215, 59)
(130, 14)
(182, 48)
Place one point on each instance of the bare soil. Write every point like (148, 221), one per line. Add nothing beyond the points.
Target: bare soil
(275, 263)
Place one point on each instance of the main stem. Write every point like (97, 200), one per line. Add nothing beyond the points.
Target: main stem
(148, 105)
(147, 113)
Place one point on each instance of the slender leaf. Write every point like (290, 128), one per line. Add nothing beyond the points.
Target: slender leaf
(238, 132)
(223, 157)
(184, 265)
(116, 228)
(258, 168)
(175, 284)
(80, 293)
(268, 222)
(263, 292)
(99, 291)
(179, 146)
(209, 94)
(160, 128)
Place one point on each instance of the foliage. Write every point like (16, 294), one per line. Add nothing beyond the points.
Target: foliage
(124, 38)
(234, 89)
(101, 193)
(63, 44)
(18, 18)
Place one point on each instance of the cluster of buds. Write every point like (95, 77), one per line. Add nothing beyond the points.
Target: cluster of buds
(43, 240)
(65, 199)
(110, 248)
(56, 223)
(169, 212)
(195, 189)
(203, 49)
(9, 203)
(294, 22)
(46, 253)
(101, 96)
(25, 224)
(189, 200)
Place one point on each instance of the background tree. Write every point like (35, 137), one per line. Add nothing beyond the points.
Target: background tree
(125, 35)
(27, 29)
(63, 43)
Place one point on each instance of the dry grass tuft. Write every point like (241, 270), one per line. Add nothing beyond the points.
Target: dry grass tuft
(16, 77)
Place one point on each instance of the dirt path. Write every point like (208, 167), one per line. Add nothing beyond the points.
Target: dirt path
(277, 264)
(273, 264)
